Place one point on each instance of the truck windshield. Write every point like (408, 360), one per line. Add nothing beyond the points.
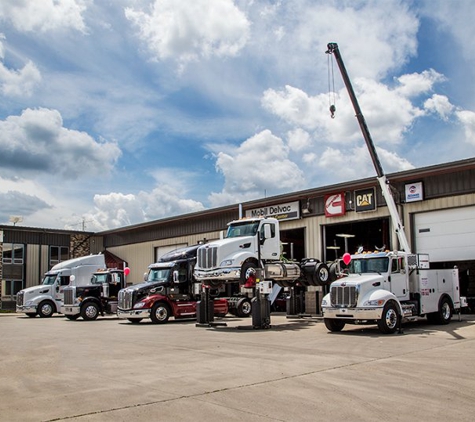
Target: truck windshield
(245, 228)
(369, 265)
(158, 274)
(49, 279)
(99, 278)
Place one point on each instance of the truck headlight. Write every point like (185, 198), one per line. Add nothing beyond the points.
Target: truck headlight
(379, 302)
(226, 263)
(139, 305)
(324, 302)
(29, 303)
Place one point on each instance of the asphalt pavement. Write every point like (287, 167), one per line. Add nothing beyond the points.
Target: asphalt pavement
(53, 369)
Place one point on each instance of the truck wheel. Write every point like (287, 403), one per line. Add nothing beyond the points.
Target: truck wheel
(334, 325)
(248, 272)
(46, 309)
(29, 314)
(444, 314)
(389, 319)
(243, 308)
(160, 313)
(90, 311)
(323, 274)
(134, 320)
(72, 317)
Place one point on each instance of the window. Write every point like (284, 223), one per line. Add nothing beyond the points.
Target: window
(58, 254)
(12, 287)
(13, 253)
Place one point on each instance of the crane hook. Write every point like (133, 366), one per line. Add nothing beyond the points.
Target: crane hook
(332, 111)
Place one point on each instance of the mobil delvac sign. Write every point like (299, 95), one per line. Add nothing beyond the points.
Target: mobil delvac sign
(288, 211)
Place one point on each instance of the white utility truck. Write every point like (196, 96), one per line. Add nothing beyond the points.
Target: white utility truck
(47, 298)
(389, 287)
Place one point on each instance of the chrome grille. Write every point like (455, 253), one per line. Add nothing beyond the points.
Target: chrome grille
(208, 257)
(126, 299)
(69, 295)
(343, 296)
(19, 298)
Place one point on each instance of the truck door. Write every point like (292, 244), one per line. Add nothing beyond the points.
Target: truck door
(270, 246)
(399, 280)
(61, 282)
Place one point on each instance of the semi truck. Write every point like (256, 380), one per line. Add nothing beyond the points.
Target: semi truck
(98, 297)
(251, 244)
(387, 287)
(171, 290)
(46, 299)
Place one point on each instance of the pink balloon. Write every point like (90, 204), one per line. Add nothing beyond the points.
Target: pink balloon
(346, 258)
(126, 271)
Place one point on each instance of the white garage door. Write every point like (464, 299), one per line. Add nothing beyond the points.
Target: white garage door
(446, 235)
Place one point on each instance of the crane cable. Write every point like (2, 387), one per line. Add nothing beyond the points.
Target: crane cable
(331, 86)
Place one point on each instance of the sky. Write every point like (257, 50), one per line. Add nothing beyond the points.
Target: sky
(118, 112)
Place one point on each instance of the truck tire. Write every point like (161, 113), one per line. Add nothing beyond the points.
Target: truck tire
(444, 315)
(243, 308)
(322, 274)
(72, 317)
(160, 313)
(89, 311)
(248, 270)
(334, 325)
(134, 320)
(46, 309)
(388, 323)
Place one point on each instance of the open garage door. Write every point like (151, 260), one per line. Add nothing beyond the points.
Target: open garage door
(446, 235)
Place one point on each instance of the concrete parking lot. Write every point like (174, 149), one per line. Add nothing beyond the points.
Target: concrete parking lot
(111, 370)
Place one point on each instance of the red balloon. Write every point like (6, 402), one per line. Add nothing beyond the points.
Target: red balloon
(346, 258)
(126, 271)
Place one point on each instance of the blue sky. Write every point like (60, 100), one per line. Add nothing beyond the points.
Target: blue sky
(119, 112)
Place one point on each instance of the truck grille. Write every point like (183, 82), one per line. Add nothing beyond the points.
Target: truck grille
(69, 295)
(126, 299)
(343, 296)
(19, 298)
(208, 257)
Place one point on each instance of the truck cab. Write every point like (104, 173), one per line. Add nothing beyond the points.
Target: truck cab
(169, 290)
(46, 299)
(99, 297)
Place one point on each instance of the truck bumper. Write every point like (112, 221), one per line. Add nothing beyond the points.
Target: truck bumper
(70, 310)
(133, 313)
(353, 313)
(31, 309)
(220, 274)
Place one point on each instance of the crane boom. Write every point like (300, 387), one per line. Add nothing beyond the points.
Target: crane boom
(383, 182)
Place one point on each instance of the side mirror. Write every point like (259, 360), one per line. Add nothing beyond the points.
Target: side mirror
(72, 278)
(267, 231)
(175, 277)
(145, 276)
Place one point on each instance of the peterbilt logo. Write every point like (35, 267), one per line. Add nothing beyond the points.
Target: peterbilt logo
(343, 284)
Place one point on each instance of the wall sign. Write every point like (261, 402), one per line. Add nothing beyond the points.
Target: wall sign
(335, 204)
(365, 200)
(287, 211)
(414, 192)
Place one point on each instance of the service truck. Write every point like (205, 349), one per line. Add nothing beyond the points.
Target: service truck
(47, 298)
(98, 297)
(170, 290)
(387, 287)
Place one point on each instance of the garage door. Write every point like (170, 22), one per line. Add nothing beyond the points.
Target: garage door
(446, 235)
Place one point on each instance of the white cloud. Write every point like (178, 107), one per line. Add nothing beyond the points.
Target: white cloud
(467, 118)
(411, 85)
(299, 139)
(258, 166)
(439, 104)
(189, 30)
(44, 15)
(36, 142)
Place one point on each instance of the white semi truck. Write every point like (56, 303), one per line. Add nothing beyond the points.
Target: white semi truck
(387, 288)
(47, 298)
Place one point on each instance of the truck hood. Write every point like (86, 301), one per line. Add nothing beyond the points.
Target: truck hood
(143, 286)
(232, 245)
(359, 280)
(36, 290)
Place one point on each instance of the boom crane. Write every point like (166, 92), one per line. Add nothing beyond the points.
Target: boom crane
(383, 182)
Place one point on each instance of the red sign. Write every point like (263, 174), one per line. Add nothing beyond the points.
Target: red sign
(335, 204)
